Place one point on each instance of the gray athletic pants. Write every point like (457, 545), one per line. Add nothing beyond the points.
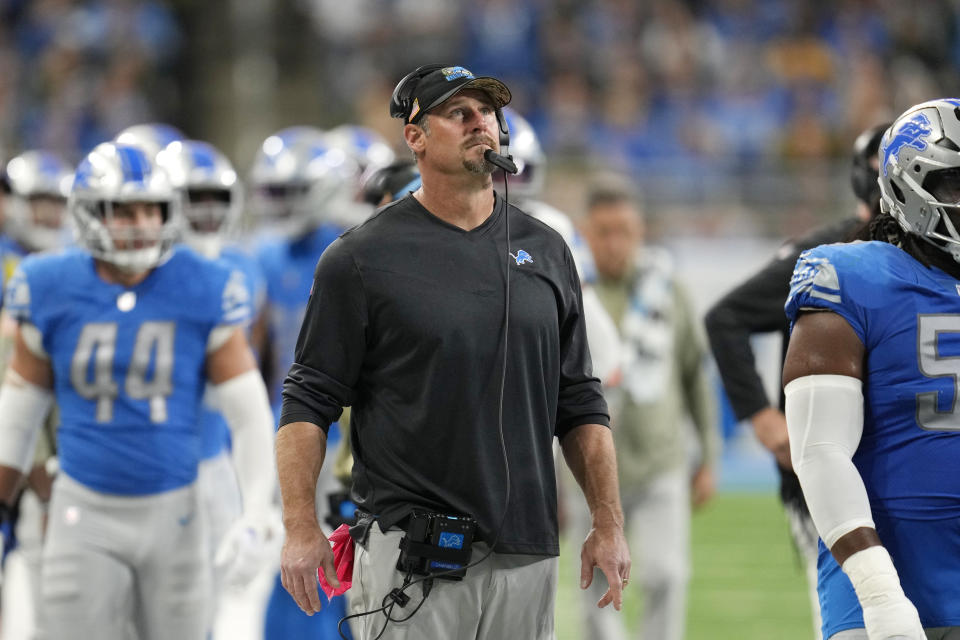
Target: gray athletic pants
(805, 537)
(112, 564)
(658, 528)
(505, 596)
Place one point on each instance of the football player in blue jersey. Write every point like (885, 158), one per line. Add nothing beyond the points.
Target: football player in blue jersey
(301, 186)
(39, 183)
(211, 197)
(303, 191)
(36, 209)
(123, 333)
(873, 398)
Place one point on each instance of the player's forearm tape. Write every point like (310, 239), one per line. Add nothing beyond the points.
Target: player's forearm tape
(23, 409)
(245, 406)
(873, 576)
(825, 422)
(887, 612)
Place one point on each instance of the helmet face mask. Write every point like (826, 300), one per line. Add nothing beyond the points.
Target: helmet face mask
(110, 184)
(210, 192)
(918, 155)
(36, 207)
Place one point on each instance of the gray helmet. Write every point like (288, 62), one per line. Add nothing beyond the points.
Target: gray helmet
(528, 155)
(920, 161)
(210, 191)
(116, 173)
(151, 136)
(35, 176)
(299, 181)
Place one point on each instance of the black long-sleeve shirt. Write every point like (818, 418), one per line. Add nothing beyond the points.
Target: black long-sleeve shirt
(405, 324)
(756, 306)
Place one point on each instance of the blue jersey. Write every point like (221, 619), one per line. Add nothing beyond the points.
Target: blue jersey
(288, 267)
(214, 432)
(128, 363)
(11, 253)
(908, 318)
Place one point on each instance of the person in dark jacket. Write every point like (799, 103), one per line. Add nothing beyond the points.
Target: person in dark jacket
(756, 306)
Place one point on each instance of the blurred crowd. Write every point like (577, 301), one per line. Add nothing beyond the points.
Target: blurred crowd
(75, 73)
(718, 81)
(701, 100)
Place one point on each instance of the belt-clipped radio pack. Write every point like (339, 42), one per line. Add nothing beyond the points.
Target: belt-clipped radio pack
(437, 544)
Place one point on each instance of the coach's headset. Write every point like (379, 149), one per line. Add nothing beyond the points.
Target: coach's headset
(401, 103)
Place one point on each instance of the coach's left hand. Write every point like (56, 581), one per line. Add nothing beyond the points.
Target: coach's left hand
(606, 548)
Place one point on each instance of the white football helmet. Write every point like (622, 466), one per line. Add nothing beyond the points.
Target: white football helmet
(920, 173)
(114, 174)
(152, 136)
(299, 181)
(368, 148)
(210, 191)
(36, 208)
(527, 154)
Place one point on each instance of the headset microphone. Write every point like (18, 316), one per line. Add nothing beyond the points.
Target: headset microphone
(504, 162)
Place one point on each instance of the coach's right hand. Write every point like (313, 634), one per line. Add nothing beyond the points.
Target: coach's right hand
(304, 551)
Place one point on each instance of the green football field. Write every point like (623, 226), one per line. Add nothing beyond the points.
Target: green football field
(747, 583)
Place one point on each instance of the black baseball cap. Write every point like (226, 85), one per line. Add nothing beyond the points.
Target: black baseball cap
(441, 84)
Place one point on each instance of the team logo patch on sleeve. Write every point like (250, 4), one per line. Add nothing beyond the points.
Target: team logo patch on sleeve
(17, 295)
(816, 278)
(236, 299)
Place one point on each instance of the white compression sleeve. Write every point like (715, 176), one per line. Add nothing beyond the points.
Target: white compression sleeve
(23, 409)
(825, 422)
(245, 406)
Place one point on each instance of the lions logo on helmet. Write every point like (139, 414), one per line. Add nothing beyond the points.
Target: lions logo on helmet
(300, 181)
(114, 174)
(920, 177)
(39, 186)
(210, 192)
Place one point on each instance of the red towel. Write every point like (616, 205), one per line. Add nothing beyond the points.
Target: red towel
(342, 545)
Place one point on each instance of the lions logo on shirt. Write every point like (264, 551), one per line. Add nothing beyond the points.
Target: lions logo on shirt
(522, 257)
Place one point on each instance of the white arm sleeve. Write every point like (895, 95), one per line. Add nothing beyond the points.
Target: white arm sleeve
(825, 422)
(23, 409)
(244, 404)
